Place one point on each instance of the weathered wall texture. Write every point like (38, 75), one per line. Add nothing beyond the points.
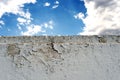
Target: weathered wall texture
(60, 58)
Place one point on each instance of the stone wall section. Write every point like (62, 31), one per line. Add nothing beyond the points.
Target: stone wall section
(60, 58)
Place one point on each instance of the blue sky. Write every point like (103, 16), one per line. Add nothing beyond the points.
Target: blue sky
(55, 17)
(59, 17)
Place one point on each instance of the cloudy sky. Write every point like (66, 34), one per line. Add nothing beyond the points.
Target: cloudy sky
(59, 17)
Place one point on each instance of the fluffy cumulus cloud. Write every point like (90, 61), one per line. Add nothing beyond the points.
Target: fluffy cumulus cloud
(47, 4)
(103, 17)
(13, 6)
(56, 4)
(16, 7)
(24, 19)
(79, 16)
(33, 29)
(48, 24)
(1, 23)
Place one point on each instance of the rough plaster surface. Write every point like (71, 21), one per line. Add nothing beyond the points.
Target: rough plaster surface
(60, 58)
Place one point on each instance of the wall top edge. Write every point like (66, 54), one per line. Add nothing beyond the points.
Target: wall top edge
(61, 39)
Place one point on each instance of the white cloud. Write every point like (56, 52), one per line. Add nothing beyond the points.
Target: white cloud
(21, 20)
(25, 19)
(56, 4)
(26, 15)
(32, 30)
(19, 27)
(79, 16)
(2, 23)
(47, 4)
(103, 17)
(13, 6)
(16, 7)
(48, 24)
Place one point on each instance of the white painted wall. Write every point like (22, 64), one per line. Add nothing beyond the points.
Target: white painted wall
(60, 58)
